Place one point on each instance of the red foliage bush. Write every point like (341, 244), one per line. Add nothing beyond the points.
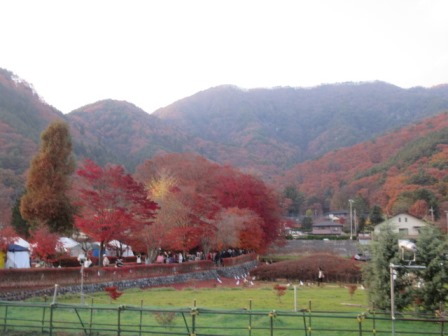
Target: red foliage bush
(113, 292)
(335, 268)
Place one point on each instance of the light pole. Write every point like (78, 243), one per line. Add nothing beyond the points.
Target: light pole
(351, 218)
(446, 221)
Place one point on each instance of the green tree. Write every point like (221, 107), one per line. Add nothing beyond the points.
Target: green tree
(21, 226)
(376, 274)
(307, 223)
(376, 215)
(431, 252)
(46, 200)
(296, 199)
(361, 208)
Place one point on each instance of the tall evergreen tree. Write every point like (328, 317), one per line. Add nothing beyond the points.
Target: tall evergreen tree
(376, 215)
(296, 200)
(46, 200)
(21, 226)
(384, 251)
(431, 252)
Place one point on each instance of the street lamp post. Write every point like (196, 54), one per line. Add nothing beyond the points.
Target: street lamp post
(351, 218)
(446, 221)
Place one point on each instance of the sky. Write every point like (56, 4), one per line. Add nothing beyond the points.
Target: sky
(154, 52)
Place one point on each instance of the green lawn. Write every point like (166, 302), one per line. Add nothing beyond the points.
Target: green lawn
(218, 311)
(330, 297)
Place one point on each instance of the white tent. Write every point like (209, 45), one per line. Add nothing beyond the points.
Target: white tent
(18, 254)
(70, 246)
(126, 249)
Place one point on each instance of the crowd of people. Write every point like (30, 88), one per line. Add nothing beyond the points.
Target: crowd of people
(167, 257)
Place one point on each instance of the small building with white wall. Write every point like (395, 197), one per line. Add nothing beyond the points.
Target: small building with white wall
(405, 225)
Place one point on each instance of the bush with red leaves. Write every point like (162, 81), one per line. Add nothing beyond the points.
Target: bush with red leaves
(335, 268)
(280, 290)
(113, 292)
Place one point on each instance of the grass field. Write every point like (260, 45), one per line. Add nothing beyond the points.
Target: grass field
(329, 297)
(209, 309)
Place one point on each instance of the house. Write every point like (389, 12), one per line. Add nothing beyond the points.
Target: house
(327, 227)
(406, 225)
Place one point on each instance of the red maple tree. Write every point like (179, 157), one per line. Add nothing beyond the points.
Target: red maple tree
(113, 206)
(45, 245)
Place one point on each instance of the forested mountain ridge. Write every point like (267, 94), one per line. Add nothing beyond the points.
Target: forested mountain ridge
(23, 116)
(131, 134)
(301, 123)
(403, 170)
(263, 131)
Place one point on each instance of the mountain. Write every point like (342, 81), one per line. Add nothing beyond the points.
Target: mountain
(283, 126)
(394, 171)
(120, 132)
(23, 116)
(263, 131)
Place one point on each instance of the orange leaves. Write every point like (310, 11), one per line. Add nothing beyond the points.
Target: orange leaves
(207, 204)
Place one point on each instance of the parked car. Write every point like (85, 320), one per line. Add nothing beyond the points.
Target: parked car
(361, 257)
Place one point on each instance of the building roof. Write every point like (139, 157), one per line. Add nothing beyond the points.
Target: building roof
(327, 224)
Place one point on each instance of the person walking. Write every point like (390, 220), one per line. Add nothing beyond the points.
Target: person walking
(320, 276)
(106, 261)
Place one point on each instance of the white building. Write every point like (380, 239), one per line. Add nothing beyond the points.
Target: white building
(405, 225)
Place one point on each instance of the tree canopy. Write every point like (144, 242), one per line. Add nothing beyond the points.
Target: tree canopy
(46, 200)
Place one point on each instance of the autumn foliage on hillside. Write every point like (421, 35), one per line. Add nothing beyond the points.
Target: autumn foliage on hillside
(404, 170)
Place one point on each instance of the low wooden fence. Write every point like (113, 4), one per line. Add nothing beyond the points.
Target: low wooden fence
(26, 318)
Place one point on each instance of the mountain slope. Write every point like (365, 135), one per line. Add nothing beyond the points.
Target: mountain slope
(263, 131)
(125, 130)
(290, 125)
(23, 116)
(391, 170)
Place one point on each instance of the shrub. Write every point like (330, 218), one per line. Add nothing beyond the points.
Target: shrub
(335, 268)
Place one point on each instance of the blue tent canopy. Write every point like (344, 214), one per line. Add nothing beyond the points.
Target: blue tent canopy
(16, 248)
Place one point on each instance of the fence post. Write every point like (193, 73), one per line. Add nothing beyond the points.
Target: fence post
(6, 318)
(119, 321)
(51, 319)
(309, 317)
(194, 312)
(360, 319)
(250, 317)
(141, 318)
(272, 315)
(91, 317)
(43, 316)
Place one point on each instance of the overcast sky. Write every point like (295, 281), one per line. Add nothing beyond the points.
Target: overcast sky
(152, 53)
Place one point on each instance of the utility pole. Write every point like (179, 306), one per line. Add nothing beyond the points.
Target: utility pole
(351, 218)
(432, 214)
(446, 212)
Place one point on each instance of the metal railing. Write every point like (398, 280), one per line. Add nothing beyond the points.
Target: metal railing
(96, 319)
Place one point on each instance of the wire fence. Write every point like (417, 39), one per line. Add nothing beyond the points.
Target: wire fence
(26, 318)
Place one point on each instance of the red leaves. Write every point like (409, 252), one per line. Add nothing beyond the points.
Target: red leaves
(196, 198)
(113, 292)
(113, 204)
(280, 290)
(7, 236)
(45, 244)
